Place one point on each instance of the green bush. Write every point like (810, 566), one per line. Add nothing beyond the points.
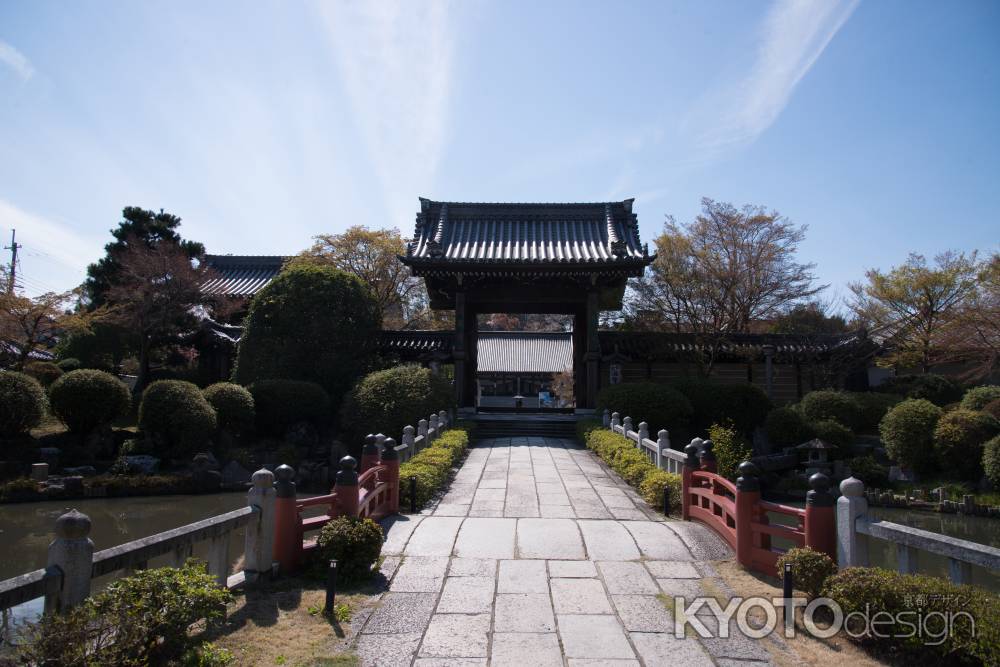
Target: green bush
(355, 544)
(745, 406)
(810, 569)
(868, 470)
(937, 389)
(907, 431)
(991, 461)
(834, 433)
(959, 437)
(730, 449)
(871, 591)
(839, 406)
(785, 427)
(660, 406)
(139, 620)
(177, 416)
(431, 466)
(87, 399)
(652, 487)
(233, 405)
(874, 406)
(585, 426)
(281, 403)
(315, 324)
(631, 464)
(978, 397)
(993, 409)
(70, 364)
(22, 403)
(45, 372)
(395, 398)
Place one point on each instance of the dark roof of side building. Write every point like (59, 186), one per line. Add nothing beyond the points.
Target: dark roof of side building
(241, 275)
(587, 234)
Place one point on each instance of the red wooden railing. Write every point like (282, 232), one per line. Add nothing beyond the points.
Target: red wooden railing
(739, 516)
(373, 494)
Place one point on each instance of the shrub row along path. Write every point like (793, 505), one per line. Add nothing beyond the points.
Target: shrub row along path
(539, 554)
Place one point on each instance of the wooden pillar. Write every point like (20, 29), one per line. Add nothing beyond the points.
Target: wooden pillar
(821, 519)
(593, 351)
(690, 466)
(287, 530)
(458, 349)
(464, 351)
(747, 498)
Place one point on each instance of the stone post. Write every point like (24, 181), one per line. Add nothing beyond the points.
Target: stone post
(662, 442)
(643, 433)
(422, 431)
(409, 434)
(707, 456)
(616, 420)
(435, 428)
(606, 418)
(369, 453)
(627, 426)
(747, 498)
(390, 459)
(690, 465)
(287, 522)
(443, 419)
(40, 472)
(259, 545)
(852, 548)
(347, 487)
(821, 520)
(73, 553)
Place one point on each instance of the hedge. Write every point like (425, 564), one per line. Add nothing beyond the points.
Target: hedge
(659, 405)
(868, 470)
(937, 389)
(177, 416)
(730, 449)
(839, 406)
(991, 460)
(978, 397)
(786, 427)
(622, 455)
(745, 406)
(959, 438)
(393, 399)
(834, 433)
(871, 591)
(874, 406)
(993, 408)
(281, 403)
(87, 399)
(431, 466)
(45, 372)
(234, 406)
(22, 403)
(907, 431)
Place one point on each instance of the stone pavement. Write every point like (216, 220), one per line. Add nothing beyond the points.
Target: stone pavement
(538, 554)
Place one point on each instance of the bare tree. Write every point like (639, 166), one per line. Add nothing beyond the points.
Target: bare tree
(973, 335)
(720, 274)
(29, 324)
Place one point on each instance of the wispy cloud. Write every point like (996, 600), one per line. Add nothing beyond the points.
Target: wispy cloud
(16, 60)
(395, 59)
(793, 35)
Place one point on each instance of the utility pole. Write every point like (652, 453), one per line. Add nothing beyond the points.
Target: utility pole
(14, 245)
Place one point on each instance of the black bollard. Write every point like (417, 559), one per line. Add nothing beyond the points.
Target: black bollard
(331, 588)
(787, 580)
(666, 501)
(413, 495)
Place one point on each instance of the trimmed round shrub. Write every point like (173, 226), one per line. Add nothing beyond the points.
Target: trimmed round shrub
(233, 405)
(355, 544)
(907, 431)
(976, 398)
(22, 403)
(394, 398)
(745, 406)
(658, 405)
(87, 399)
(993, 409)
(176, 414)
(785, 427)
(959, 437)
(874, 406)
(70, 364)
(311, 323)
(868, 470)
(45, 372)
(652, 487)
(937, 389)
(991, 461)
(281, 403)
(839, 406)
(834, 433)
(810, 569)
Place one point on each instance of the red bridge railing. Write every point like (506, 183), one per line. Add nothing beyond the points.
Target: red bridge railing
(373, 494)
(739, 516)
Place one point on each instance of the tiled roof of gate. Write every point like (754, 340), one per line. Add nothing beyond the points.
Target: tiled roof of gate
(523, 352)
(603, 233)
(241, 275)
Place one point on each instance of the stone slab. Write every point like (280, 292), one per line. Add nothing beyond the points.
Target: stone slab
(572, 568)
(661, 569)
(627, 577)
(522, 576)
(523, 612)
(643, 613)
(456, 636)
(466, 595)
(435, 536)
(398, 529)
(387, 650)
(472, 567)
(419, 574)
(665, 649)
(520, 649)
(579, 596)
(657, 541)
(594, 637)
(549, 539)
(486, 538)
(608, 540)
(400, 613)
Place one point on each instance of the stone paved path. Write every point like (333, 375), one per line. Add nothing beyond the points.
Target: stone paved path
(540, 555)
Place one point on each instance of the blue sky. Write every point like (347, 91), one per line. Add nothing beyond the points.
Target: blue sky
(262, 124)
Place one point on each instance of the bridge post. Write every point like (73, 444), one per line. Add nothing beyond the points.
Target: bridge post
(616, 420)
(369, 453)
(434, 430)
(606, 418)
(422, 430)
(852, 549)
(707, 456)
(287, 523)
(73, 553)
(690, 465)
(821, 520)
(747, 498)
(390, 459)
(443, 419)
(347, 487)
(259, 540)
(408, 438)
(643, 433)
(627, 426)
(662, 442)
